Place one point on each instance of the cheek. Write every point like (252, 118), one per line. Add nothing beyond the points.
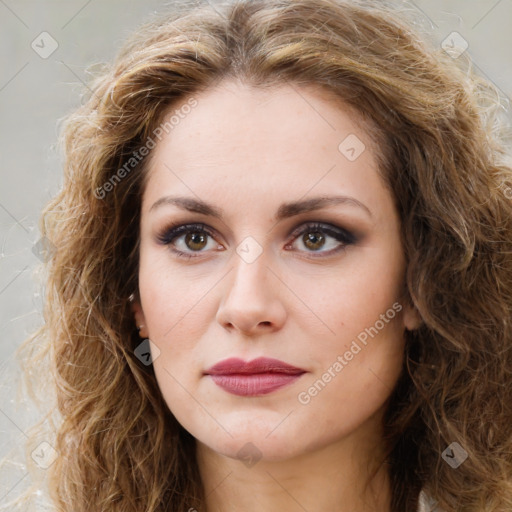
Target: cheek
(353, 379)
(177, 312)
(173, 298)
(353, 298)
(362, 309)
(375, 288)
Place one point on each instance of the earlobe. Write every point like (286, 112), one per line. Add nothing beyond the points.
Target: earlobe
(139, 318)
(412, 318)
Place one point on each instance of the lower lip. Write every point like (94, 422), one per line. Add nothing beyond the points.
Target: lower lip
(254, 384)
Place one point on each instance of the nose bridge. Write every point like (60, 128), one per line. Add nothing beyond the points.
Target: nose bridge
(250, 273)
(250, 300)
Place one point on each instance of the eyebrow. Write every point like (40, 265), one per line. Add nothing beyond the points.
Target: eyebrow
(284, 211)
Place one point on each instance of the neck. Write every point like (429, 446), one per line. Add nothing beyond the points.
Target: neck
(337, 478)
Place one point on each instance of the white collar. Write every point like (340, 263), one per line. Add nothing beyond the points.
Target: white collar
(427, 504)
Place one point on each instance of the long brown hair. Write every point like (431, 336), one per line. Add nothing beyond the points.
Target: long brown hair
(444, 159)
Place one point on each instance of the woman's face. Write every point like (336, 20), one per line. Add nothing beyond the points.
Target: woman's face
(297, 258)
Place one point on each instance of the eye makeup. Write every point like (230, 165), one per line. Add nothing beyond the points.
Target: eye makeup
(198, 233)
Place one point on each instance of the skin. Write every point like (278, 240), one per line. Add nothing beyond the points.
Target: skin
(247, 151)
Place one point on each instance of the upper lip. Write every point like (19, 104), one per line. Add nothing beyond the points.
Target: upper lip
(235, 365)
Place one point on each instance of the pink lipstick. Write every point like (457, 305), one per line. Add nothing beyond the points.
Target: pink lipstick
(257, 377)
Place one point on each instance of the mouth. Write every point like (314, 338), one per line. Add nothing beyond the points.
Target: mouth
(257, 377)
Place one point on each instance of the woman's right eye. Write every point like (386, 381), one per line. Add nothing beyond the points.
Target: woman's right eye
(187, 239)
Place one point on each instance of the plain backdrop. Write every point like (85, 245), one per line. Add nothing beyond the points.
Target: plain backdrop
(36, 90)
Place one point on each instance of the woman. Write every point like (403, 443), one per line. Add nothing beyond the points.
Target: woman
(282, 276)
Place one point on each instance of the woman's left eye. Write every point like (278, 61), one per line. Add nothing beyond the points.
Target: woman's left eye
(315, 237)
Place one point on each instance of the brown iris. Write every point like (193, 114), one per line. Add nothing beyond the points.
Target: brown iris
(313, 240)
(195, 238)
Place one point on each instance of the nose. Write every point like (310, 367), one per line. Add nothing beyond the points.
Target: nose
(252, 302)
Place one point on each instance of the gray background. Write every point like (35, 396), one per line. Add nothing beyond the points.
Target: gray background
(36, 92)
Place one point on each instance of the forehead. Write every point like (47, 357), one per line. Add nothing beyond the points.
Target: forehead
(240, 115)
(271, 141)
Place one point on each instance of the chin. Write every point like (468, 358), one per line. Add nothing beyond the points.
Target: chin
(250, 449)
(249, 443)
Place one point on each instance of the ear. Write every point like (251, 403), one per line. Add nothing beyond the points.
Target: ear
(140, 320)
(411, 317)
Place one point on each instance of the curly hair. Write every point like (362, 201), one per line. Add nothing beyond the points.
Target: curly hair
(442, 152)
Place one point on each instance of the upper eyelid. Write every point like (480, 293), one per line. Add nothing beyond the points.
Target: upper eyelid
(302, 225)
(327, 226)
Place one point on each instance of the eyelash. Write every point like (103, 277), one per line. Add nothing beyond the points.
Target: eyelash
(341, 235)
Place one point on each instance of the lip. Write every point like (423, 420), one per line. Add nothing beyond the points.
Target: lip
(257, 377)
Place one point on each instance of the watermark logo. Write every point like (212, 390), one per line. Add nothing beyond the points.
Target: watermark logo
(454, 45)
(44, 45)
(454, 455)
(43, 249)
(351, 147)
(249, 454)
(507, 191)
(249, 249)
(44, 455)
(147, 352)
